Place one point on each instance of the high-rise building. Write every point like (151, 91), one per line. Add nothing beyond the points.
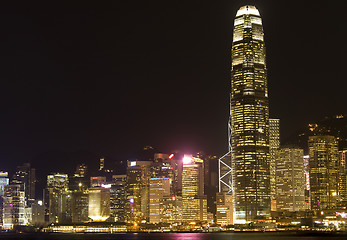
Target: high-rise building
(249, 119)
(290, 179)
(194, 202)
(224, 205)
(307, 182)
(79, 206)
(79, 181)
(343, 177)
(274, 144)
(99, 203)
(158, 189)
(210, 180)
(164, 166)
(324, 172)
(13, 207)
(138, 175)
(57, 198)
(25, 176)
(118, 198)
(171, 209)
(4, 181)
(38, 213)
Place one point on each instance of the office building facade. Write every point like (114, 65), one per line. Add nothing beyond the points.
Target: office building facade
(158, 189)
(194, 202)
(290, 179)
(224, 206)
(249, 119)
(118, 198)
(138, 175)
(13, 206)
(324, 172)
(274, 144)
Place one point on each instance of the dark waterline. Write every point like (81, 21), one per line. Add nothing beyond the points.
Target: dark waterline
(176, 236)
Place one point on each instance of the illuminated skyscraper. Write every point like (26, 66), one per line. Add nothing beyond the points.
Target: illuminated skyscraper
(25, 176)
(224, 205)
(13, 208)
(4, 181)
(79, 206)
(164, 166)
(99, 203)
(194, 203)
(57, 199)
(138, 175)
(158, 188)
(343, 176)
(307, 182)
(324, 171)
(118, 198)
(249, 118)
(290, 179)
(274, 144)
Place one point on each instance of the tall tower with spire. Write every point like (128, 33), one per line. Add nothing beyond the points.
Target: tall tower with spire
(249, 119)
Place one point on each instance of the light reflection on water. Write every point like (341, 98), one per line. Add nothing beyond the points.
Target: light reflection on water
(236, 236)
(173, 236)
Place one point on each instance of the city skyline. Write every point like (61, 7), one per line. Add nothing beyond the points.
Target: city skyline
(99, 81)
(94, 174)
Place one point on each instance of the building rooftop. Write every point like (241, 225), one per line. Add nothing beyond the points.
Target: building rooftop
(247, 9)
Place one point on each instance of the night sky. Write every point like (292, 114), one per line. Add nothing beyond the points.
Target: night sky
(84, 79)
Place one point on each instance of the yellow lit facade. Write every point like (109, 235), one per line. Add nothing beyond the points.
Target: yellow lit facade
(99, 204)
(194, 202)
(343, 176)
(249, 119)
(274, 130)
(79, 206)
(158, 188)
(138, 175)
(224, 213)
(171, 209)
(58, 198)
(324, 172)
(290, 180)
(13, 206)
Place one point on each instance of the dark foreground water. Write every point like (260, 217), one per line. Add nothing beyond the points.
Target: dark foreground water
(175, 236)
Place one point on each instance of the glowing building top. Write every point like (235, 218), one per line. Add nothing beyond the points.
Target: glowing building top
(249, 10)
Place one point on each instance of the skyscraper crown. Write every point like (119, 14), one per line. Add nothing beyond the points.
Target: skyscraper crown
(247, 9)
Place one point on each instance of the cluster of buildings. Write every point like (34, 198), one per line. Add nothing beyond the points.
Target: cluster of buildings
(165, 189)
(257, 184)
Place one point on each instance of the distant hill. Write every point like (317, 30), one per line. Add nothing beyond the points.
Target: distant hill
(334, 125)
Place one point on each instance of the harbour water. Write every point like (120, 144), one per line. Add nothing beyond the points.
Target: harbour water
(177, 236)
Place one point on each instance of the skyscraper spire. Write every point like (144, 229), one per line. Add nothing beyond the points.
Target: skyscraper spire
(249, 120)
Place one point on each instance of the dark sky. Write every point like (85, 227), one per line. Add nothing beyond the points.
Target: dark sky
(83, 79)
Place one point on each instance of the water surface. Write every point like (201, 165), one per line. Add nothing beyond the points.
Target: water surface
(174, 236)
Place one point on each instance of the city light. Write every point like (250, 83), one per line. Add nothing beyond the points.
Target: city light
(187, 159)
(260, 183)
